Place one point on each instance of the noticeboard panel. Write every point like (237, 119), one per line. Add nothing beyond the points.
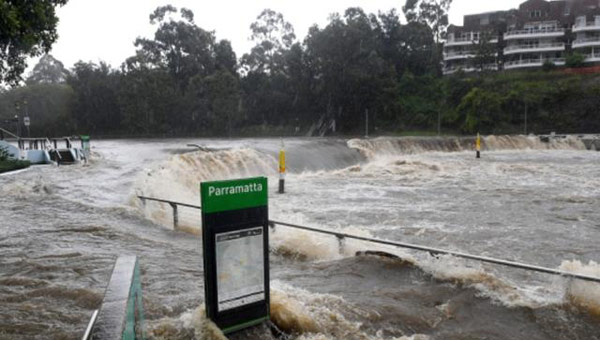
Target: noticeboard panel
(235, 243)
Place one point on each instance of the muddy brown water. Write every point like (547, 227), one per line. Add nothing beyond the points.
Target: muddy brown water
(61, 230)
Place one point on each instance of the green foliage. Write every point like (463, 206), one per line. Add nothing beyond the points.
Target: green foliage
(48, 71)
(548, 66)
(273, 36)
(575, 60)
(184, 81)
(4, 154)
(432, 12)
(485, 53)
(482, 109)
(27, 29)
(6, 166)
(48, 107)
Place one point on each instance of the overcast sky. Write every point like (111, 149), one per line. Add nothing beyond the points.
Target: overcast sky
(94, 30)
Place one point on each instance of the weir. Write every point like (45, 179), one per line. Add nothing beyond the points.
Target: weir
(430, 250)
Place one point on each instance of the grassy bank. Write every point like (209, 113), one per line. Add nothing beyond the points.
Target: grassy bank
(6, 166)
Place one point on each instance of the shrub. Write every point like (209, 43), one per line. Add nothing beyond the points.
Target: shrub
(575, 60)
(4, 153)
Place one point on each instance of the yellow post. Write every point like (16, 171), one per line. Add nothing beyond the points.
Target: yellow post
(478, 145)
(282, 169)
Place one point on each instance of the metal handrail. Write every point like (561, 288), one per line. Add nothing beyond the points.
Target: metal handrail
(430, 250)
(532, 47)
(170, 202)
(587, 24)
(88, 330)
(435, 251)
(533, 61)
(9, 133)
(534, 31)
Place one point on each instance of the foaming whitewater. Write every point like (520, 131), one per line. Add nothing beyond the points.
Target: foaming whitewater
(416, 162)
(387, 146)
(178, 179)
(584, 295)
(525, 200)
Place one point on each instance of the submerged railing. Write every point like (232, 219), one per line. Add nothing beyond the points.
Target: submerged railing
(433, 251)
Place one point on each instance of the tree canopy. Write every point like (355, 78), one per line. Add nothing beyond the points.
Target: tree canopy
(27, 29)
(183, 80)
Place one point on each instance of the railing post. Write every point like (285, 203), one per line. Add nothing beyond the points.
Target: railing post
(175, 216)
(341, 240)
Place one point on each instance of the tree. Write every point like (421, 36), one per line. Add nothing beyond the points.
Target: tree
(48, 106)
(221, 98)
(482, 109)
(575, 60)
(179, 46)
(485, 53)
(272, 35)
(350, 70)
(48, 71)
(27, 29)
(433, 13)
(95, 105)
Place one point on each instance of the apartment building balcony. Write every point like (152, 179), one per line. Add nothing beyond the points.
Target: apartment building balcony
(451, 70)
(534, 33)
(586, 42)
(526, 63)
(550, 47)
(466, 42)
(454, 69)
(586, 26)
(592, 58)
(458, 55)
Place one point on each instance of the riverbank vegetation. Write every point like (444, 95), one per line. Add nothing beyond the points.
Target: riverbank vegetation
(7, 164)
(184, 81)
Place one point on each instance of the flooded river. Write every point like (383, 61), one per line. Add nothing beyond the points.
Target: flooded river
(62, 228)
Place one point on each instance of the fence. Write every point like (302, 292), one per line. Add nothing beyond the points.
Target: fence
(433, 251)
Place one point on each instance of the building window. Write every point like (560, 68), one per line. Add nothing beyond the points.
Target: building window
(567, 10)
(535, 14)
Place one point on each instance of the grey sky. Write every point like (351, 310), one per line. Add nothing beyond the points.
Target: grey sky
(94, 30)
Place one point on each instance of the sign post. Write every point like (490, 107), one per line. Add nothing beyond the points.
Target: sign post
(27, 122)
(235, 241)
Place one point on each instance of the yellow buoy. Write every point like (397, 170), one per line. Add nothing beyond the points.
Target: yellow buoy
(478, 145)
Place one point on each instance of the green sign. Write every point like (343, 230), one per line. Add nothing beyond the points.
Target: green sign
(233, 195)
(235, 242)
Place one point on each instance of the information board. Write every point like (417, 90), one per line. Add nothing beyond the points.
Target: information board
(235, 243)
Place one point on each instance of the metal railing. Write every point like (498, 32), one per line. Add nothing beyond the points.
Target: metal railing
(533, 62)
(586, 24)
(430, 250)
(461, 40)
(459, 54)
(3, 131)
(533, 46)
(88, 330)
(585, 41)
(540, 31)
